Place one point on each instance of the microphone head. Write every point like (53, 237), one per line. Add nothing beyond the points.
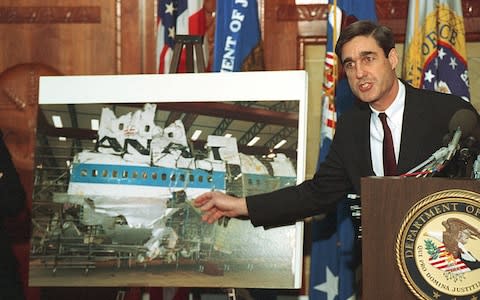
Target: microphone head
(464, 119)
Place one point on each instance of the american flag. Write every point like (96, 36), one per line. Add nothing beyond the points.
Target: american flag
(446, 262)
(327, 129)
(186, 17)
(334, 276)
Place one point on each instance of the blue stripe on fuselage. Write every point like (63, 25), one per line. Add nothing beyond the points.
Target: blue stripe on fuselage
(146, 176)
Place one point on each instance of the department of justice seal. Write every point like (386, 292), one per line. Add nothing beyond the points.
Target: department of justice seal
(438, 246)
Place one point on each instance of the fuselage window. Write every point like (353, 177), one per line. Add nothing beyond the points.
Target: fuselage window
(258, 181)
(94, 173)
(182, 177)
(164, 176)
(154, 176)
(114, 173)
(134, 174)
(144, 175)
(125, 174)
(104, 173)
(191, 178)
(200, 178)
(210, 178)
(83, 173)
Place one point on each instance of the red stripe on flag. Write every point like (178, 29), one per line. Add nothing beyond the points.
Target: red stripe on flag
(191, 21)
(197, 23)
(331, 123)
(161, 66)
(445, 262)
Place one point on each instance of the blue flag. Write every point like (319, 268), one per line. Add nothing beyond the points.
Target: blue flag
(435, 47)
(335, 259)
(237, 34)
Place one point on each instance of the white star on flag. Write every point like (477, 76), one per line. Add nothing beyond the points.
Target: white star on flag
(441, 53)
(171, 32)
(174, 17)
(169, 8)
(330, 286)
(444, 54)
(453, 63)
(429, 76)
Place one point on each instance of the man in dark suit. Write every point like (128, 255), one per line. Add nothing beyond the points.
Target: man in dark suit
(12, 201)
(418, 120)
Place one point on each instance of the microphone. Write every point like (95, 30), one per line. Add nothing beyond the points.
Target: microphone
(476, 168)
(468, 121)
(461, 124)
(453, 146)
(465, 119)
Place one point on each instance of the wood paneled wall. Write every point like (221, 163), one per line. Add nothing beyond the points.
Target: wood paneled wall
(118, 36)
(63, 34)
(289, 27)
(79, 37)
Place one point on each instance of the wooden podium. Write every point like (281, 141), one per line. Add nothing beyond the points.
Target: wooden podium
(385, 202)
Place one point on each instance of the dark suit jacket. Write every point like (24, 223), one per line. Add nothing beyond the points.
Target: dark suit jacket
(12, 201)
(425, 122)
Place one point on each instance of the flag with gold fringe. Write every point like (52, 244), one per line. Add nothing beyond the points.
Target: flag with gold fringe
(435, 47)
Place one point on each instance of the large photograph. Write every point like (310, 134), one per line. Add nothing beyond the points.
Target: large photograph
(119, 160)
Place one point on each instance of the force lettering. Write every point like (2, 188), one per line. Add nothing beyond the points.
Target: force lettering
(446, 32)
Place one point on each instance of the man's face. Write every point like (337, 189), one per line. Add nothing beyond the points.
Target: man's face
(370, 74)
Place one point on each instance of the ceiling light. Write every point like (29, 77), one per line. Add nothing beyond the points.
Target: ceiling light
(227, 135)
(57, 121)
(279, 144)
(253, 141)
(196, 134)
(62, 138)
(94, 124)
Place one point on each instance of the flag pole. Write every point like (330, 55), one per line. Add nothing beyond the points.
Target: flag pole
(416, 15)
(334, 43)
(332, 98)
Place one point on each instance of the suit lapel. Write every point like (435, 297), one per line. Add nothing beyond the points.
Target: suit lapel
(362, 142)
(415, 126)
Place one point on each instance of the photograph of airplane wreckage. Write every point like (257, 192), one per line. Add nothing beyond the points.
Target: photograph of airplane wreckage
(123, 206)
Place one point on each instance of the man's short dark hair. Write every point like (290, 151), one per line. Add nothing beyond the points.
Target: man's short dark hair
(382, 34)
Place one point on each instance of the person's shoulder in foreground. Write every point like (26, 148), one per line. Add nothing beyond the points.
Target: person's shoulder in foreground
(12, 194)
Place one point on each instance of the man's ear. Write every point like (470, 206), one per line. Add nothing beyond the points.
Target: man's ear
(393, 57)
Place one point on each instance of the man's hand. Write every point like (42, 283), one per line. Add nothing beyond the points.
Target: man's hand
(216, 205)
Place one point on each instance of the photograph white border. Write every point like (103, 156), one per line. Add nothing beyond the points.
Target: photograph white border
(190, 87)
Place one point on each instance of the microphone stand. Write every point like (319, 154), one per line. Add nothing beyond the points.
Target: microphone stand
(476, 168)
(438, 160)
